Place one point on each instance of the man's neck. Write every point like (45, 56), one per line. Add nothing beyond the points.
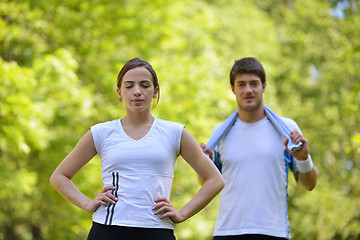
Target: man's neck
(251, 116)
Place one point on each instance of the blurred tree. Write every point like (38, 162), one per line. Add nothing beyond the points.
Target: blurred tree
(58, 68)
(37, 104)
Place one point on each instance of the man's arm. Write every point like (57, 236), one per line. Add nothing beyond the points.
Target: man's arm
(307, 180)
(308, 174)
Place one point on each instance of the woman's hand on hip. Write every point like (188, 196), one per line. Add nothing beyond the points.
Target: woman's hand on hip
(164, 208)
(102, 198)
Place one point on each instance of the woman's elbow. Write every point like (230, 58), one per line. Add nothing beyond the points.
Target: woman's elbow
(220, 183)
(53, 180)
(221, 187)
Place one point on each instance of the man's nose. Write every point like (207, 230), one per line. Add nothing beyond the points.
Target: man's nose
(248, 88)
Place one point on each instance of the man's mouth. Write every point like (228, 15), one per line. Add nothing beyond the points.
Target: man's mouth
(248, 98)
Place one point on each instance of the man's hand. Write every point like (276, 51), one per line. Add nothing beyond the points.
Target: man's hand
(207, 151)
(296, 137)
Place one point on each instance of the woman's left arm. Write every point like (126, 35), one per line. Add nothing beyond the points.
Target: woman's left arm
(205, 168)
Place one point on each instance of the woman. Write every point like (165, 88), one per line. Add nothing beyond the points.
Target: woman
(138, 154)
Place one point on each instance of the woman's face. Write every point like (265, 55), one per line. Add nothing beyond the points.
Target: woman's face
(137, 90)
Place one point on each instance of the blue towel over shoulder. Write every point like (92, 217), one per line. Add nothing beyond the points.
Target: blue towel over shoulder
(224, 128)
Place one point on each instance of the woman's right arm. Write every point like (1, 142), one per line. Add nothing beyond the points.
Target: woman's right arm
(205, 168)
(83, 152)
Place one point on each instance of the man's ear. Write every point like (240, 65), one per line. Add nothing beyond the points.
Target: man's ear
(232, 89)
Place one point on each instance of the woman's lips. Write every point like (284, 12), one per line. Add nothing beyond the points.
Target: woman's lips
(137, 101)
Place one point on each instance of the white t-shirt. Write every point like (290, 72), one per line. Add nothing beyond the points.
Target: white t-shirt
(141, 170)
(254, 200)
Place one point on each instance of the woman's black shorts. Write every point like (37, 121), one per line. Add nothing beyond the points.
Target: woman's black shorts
(108, 232)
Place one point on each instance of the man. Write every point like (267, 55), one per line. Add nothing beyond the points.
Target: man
(253, 204)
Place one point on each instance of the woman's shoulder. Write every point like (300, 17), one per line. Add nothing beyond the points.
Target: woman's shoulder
(109, 123)
(169, 124)
(105, 126)
(170, 132)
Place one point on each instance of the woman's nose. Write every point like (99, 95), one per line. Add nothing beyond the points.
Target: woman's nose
(137, 91)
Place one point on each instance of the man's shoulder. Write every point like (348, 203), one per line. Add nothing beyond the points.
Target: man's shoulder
(289, 122)
(218, 126)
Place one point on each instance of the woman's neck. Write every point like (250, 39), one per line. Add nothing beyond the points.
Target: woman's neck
(136, 119)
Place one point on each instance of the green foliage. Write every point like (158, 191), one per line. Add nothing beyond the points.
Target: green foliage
(58, 68)
(36, 104)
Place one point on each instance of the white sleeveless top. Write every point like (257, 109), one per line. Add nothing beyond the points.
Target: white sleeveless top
(141, 170)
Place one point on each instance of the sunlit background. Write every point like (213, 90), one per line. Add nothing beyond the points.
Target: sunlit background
(58, 68)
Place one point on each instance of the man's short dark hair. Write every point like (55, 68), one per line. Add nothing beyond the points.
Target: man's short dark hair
(249, 65)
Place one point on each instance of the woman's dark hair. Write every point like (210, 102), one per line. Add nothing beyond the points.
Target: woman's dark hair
(138, 62)
(248, 65)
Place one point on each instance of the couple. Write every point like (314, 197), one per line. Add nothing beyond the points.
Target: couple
(138, 154)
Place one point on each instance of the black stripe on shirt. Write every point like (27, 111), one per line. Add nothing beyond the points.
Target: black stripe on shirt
(114, 193)
(109, 204)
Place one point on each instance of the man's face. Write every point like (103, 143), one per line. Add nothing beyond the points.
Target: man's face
(248, 90)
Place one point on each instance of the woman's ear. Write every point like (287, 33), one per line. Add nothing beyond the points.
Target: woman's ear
(156, 92)
(119, 93)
